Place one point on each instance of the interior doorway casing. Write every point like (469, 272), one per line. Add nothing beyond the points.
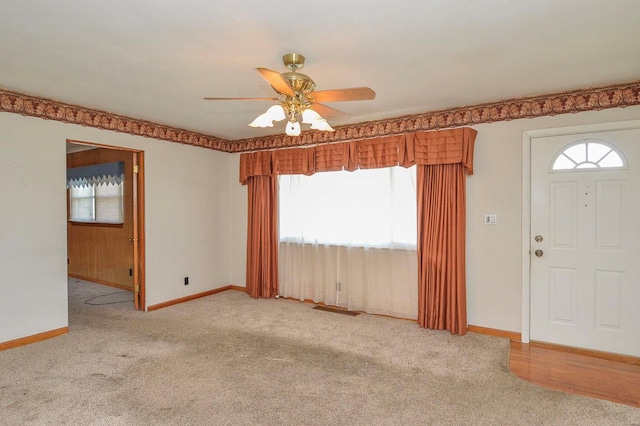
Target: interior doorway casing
(138, 236)
(528, 138)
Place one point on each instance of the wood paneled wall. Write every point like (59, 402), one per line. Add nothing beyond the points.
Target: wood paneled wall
(98, 252)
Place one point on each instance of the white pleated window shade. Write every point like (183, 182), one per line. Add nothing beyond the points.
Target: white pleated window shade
(96, 193)
(81, 203)
(97, 203)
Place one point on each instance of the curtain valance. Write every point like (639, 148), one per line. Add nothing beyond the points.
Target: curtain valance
(96, 174)
(454, 146)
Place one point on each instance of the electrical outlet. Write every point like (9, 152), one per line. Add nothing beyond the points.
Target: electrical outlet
(186, 280)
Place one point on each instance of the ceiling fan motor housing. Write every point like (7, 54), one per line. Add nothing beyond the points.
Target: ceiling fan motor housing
(300, 83)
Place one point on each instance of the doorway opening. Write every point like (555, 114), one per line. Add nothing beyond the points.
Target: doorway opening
(105, 217)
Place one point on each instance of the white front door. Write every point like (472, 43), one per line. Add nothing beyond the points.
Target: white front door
(585, 241)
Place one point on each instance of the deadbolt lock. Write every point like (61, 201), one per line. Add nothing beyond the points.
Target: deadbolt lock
(538, 238)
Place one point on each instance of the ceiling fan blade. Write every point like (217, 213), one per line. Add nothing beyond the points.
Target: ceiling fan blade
(329, 113)
(339, 95)
(277, 81)
(240, 99)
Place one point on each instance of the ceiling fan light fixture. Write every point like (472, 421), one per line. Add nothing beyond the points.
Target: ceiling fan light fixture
(274, 113)
(322, 125)
(262, 121)
(309, 116)
(312, 117)
(293, 128)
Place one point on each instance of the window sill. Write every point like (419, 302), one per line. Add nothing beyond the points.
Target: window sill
(100, 224)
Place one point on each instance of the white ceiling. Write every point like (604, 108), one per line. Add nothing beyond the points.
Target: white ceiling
(155, 60)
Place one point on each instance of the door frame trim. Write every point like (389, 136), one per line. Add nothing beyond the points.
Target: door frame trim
(527, 138)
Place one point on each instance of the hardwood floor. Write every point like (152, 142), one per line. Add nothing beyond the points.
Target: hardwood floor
(578, 372)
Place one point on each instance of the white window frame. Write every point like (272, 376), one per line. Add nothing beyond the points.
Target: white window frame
(101, 201)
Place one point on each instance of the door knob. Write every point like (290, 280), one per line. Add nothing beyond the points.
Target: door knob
(539, 253)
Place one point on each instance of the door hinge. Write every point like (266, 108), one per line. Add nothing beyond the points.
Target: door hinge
(137, 288)
(338, 286)
(136, 169)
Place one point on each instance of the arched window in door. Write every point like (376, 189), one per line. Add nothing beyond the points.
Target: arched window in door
(588, 154)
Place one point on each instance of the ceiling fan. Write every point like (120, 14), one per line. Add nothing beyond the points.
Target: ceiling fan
(297, 98)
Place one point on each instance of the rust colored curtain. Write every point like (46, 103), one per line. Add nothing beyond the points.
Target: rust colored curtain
(262, 237)
(441, 247)
(443, 157)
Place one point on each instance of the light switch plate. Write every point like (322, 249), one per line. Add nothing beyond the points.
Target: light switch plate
(490, 219)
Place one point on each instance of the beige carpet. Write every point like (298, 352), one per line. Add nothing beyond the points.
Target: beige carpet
(228, 359)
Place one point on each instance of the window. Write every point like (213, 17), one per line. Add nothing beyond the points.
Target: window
(365, 208)
(96, 193)
(349, 239)
(101, 203)
(588, 154)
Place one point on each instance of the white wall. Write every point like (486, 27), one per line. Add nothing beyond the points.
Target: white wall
(196, 218)
(494, 253)
(188, 220)
(33, 245)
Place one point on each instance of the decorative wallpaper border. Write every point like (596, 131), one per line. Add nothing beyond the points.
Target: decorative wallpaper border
(615, 96)
(54, 110)
(592, 99)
